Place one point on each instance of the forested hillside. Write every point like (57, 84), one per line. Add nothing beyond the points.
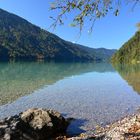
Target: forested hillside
(129, 52)
(20, 39)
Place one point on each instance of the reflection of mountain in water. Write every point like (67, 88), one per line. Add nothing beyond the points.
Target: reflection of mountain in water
(131, 73)
(18, 79)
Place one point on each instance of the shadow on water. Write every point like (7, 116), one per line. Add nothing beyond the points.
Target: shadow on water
(75, 127)
(131, 74)
(21, 78)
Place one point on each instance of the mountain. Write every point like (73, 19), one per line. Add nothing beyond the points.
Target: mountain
(129, 52)
(100, 54)
(21, 40)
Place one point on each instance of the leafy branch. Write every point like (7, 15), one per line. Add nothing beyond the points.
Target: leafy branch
(87, 10)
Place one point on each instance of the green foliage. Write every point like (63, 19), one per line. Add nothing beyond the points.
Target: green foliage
(129, 52)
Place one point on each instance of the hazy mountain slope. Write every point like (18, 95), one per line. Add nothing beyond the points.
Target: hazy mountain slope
(99, 53)
(20, 39)
(129, 52)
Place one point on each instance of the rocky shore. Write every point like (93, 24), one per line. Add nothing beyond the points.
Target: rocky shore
(33, 124)
(127, 128)
(42, 124)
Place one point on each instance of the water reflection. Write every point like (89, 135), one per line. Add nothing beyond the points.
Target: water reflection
(93, 94)
(18, 79)
(131, 73)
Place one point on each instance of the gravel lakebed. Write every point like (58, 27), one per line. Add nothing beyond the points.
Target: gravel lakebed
(43, 124)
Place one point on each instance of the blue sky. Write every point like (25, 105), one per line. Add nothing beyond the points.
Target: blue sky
(109, 32)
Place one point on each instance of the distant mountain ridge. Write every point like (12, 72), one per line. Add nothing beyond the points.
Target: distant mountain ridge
(19, 39)
(129, 52)
(102, 54)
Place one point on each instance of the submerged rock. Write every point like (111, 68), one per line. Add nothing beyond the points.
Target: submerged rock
(33, 124)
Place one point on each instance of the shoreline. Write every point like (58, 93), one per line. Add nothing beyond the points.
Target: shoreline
(127, 128)
(53, 126)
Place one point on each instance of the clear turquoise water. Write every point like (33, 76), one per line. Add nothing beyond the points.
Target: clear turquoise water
(93, 94)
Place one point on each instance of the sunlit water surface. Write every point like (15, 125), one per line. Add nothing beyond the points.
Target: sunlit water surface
(93, 94)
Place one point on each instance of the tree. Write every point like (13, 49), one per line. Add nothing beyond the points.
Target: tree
(90, 10)
(138, 26)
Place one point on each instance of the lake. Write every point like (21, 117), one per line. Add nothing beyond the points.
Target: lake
(92, 93)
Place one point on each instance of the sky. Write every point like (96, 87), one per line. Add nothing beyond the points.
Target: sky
(109, 32)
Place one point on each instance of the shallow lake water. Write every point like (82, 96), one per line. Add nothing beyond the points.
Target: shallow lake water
(92, 93)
